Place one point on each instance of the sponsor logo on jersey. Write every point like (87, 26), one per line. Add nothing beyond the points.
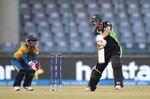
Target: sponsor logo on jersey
(108, 23)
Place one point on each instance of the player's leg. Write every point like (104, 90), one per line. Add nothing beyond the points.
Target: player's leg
(98, 70)
(97, 73)
(28, 79)
(117, 69)
(20, 74)
(19, 77)
(94, 79)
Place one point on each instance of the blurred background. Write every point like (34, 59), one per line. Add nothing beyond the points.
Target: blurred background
(64, 26)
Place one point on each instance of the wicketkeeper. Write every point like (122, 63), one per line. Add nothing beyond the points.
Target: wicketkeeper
(26, 64)
(113, 52)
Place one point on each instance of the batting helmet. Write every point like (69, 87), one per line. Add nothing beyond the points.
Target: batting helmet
(97, 16)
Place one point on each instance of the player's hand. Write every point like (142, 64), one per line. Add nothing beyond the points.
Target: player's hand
(37, 65)
(32, 65)
(99, 38)
(102, 42)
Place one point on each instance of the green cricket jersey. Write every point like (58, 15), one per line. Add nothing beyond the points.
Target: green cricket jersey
(111, 38)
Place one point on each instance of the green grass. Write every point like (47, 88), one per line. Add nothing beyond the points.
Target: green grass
(77, 92)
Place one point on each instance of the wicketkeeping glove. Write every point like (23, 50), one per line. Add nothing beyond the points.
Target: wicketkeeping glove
(32, 65)
(37, 65)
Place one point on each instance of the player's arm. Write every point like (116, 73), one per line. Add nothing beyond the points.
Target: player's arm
(35, 54)
(25, 58)
(29, 62)
(34, 58)
(106, 32)
(23, 49)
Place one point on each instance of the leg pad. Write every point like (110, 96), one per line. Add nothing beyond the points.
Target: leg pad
(95, 76)
(28, 78)
(19, 77)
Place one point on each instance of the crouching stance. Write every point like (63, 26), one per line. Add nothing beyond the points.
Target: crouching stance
(26, 64)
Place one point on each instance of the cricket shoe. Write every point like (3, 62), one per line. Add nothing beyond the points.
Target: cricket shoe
(16, 88)
(28, 88)
(52, 89)
(87, 89)
(118, 87)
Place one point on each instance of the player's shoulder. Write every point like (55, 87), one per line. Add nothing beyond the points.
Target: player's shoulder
(23, 46)
(36, 50)
(107, 22)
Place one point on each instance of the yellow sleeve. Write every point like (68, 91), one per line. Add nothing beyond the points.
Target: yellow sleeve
(24, 49)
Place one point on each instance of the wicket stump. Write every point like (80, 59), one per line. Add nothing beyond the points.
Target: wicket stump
(55, 61)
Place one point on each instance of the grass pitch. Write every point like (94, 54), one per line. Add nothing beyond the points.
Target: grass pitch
(77, 92)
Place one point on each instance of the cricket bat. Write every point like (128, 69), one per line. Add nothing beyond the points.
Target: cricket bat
(101, 53)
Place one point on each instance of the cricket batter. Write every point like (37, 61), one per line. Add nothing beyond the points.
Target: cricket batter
(112, 50)
(26, 64)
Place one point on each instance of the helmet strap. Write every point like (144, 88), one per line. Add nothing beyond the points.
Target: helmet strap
(31, 45)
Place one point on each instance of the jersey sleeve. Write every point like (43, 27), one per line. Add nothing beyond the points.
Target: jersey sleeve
(23, 49)
(109, 24)
(35, 54)
(25, 58)
(34, 58)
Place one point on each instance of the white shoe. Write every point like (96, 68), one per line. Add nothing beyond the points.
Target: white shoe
(118, 87)
(87, 89)
(16, 88)
(28, 88)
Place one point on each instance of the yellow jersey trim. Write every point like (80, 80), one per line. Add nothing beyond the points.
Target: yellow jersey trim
(17, 68)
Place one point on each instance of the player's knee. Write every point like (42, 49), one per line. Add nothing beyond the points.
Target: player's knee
(31, 71)
(116, 62)
(23, 70)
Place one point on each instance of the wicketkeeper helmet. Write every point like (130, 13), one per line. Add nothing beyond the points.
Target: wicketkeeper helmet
(31, 37)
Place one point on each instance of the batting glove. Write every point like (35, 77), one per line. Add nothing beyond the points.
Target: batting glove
(102, 42)
(99, 38)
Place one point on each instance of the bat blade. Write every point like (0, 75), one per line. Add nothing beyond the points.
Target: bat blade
(101, 55)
